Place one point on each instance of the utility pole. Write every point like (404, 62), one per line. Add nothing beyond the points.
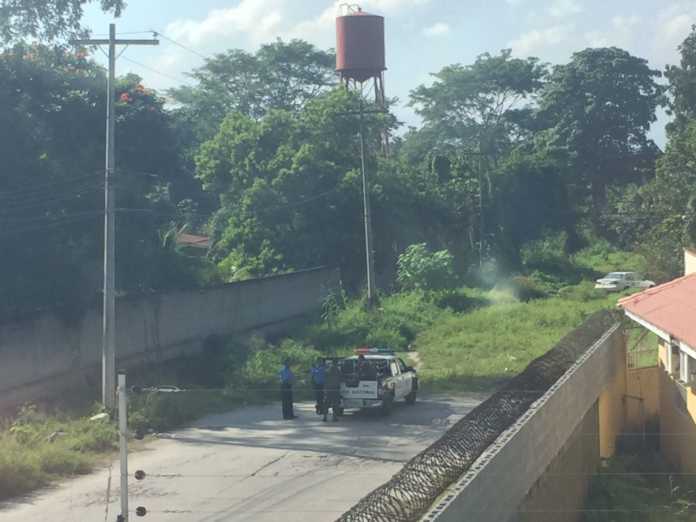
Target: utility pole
(123, 442)
(370, 258)
(109, 309)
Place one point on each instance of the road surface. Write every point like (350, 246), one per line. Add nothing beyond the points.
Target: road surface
(247, 465)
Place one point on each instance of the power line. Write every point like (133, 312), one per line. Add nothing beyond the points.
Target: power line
(157, 34)
(152, 69)
(50, 185)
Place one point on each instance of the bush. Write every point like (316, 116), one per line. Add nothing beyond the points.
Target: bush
(460, 300)
(526, 289)
(420, 269)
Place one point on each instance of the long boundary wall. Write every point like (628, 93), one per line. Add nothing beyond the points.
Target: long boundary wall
(500, 480)
(45, 354)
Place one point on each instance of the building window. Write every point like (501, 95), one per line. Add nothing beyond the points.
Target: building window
(674, 359)
(684, 367)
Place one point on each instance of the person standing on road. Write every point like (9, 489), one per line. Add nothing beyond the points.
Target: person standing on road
(332, 397)
(287, 379)
(318, 375)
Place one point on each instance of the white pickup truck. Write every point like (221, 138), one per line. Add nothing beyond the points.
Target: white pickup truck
(375, 379)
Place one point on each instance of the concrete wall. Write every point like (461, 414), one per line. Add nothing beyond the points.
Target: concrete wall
(561, 491)
(689, 261)
(612, 400)
(500, 480)
(45, 354)
(642, 399)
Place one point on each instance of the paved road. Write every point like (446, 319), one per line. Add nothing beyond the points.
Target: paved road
(249, 466)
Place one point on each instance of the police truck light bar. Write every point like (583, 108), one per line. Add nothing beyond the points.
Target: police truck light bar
(364, 350)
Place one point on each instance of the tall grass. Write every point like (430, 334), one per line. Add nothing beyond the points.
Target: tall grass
(36, 449)
(479, 350)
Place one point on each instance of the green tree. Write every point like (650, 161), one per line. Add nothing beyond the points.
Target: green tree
(682, 85)
(280, 75)
(290, 190)
(46, 20)
(421, 269)
(475, 107)
(51, 187)
(598, 109)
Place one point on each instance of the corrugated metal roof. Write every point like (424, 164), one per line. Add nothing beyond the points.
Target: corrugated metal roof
(192, 240)
(671, 307)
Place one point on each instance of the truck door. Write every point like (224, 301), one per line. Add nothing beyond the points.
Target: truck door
(407, 377)
(398, 380)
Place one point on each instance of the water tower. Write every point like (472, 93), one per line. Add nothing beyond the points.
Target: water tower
(360, 57)
(360, 50)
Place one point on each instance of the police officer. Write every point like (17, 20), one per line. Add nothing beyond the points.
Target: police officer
(287, 379)
(318, 376)
(332, 398)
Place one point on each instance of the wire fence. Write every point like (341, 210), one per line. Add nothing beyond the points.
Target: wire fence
(411, 492)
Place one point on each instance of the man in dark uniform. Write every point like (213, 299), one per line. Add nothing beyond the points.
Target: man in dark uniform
(332, 397)
(318, 375)
(287, 378)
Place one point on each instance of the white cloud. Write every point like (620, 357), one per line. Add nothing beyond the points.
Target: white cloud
(256, 19)
(621, 34)
(673, 26)
(438, 29)
(564, 8)
(537, 39)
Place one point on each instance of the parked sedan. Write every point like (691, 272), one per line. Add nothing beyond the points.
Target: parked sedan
(618, 281)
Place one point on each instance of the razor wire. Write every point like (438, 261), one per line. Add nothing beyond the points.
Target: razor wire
(413, 490)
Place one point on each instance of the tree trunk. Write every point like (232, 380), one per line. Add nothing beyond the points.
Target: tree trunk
(599, 202)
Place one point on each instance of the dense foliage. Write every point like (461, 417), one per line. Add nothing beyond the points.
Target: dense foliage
(261, 153)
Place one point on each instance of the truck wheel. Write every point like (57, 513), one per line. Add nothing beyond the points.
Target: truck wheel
(411, 398)
(387, 404)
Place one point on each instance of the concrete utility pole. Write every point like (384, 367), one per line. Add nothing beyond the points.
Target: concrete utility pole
(109, 310)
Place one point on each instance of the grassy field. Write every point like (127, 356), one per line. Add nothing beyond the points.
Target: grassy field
(479, 350)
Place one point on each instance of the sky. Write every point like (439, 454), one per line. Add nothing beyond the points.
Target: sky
(422, 36)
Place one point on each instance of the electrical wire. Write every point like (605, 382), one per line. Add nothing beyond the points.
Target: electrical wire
(153, 70)
(179, 44)
(45, 186)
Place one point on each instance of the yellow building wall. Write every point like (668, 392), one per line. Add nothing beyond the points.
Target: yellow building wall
(689, 261)
(612, 415)
(677, 426)
(642, 398)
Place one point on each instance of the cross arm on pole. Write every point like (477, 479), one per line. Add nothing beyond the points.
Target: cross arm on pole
(115, 42)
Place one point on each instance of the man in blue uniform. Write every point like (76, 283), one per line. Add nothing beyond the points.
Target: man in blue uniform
(318, 376)
(287, 378)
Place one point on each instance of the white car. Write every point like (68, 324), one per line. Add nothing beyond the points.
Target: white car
(618, 281)
(376, 381)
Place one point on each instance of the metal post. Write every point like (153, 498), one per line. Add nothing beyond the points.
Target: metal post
(123, 442)
(109, 297)
(368, 218)
(109, 310)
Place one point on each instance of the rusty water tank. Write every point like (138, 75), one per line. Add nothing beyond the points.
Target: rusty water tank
(360, 52)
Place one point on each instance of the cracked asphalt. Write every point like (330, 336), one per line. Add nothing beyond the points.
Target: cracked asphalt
(249, 465)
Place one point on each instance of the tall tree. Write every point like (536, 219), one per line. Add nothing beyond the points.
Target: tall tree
(682, 85)
(280, 75)
(599, 108)
(474, 107)
(51, 181)
(46, 20)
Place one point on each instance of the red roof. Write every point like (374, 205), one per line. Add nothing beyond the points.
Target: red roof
(192, 240)
(670, 307)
